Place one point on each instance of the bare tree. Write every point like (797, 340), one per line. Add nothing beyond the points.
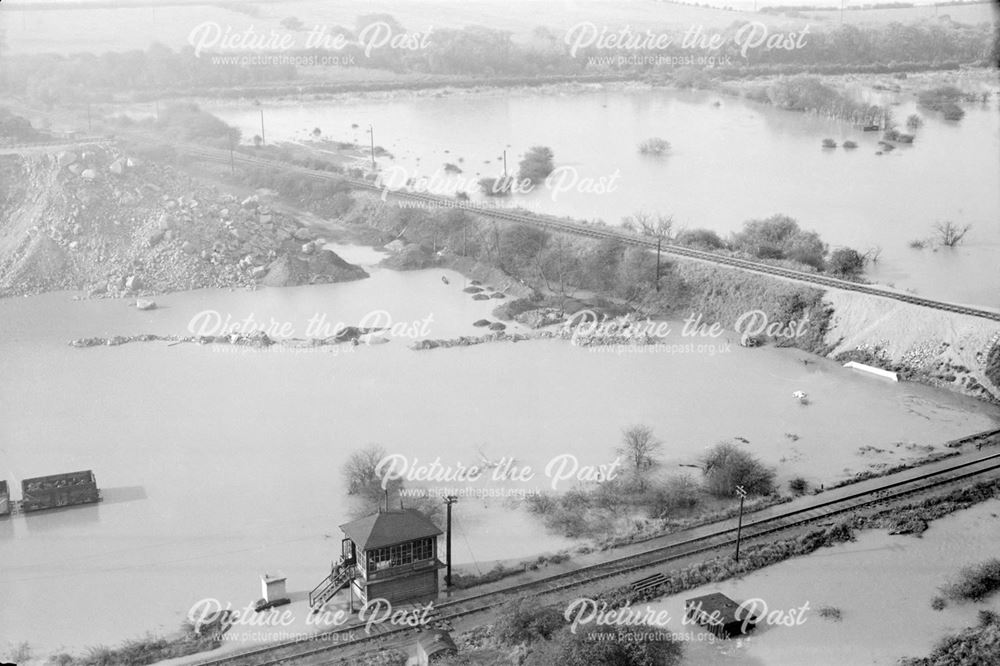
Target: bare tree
(872, 254)
(360, 473)
(950, 234)
(641, 448)
(645, 223)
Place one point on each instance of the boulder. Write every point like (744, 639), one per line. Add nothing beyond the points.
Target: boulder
(498, 295)
(472, 290)
(482, 322)
(308, 248)
(145, 304)
(154, 238)
(88, 174)
(117, 167)
(188, 247)
(480, 297)
(133, 283)
(498, 326)
(303, 234)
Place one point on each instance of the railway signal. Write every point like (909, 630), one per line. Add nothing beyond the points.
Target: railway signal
(742, 493)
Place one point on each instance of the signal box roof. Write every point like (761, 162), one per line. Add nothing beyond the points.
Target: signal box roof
(388, 528)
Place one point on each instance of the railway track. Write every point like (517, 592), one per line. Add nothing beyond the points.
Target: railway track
(568, 226)
(327, 643)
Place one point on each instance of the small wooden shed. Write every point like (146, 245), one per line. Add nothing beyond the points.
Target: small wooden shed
(718, 613)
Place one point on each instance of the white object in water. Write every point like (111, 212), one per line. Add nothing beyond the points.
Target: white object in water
(800, 395)
(854, 365)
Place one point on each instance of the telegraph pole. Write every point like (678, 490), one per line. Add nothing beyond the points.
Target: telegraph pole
(449, 500)
(505, 164)
(263, 140)
(741, 491)
(659, 242)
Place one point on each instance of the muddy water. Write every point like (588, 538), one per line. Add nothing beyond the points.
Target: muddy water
(882, 584)
(218, 465)
(763, 159)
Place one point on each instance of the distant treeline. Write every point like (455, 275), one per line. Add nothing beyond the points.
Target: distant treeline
(490, 54)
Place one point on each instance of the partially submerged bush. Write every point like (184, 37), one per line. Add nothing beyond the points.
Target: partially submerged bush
(975, 582)
(654, 146)
(728, 466)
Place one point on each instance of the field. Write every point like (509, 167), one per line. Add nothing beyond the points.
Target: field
(139, 24)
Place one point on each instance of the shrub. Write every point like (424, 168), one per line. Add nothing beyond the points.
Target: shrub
(523, 621)
(914, 122)
(938, 603)
(728, 466)
(496, 187)
(704, 239)
(779, 237)
(850, 144)
(536, 165)
(798, 485)
(654, 146)
(678, 493)
(952, 111)
(614, 648)
(975, 582)
(846, 261)
(830, 613)
(829, 143)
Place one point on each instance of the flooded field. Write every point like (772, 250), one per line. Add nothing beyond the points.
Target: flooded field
(218, 463)
(767, 160)
(871, 581)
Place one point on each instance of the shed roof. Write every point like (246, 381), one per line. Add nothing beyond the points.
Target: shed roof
(387, 528)
(716, 601)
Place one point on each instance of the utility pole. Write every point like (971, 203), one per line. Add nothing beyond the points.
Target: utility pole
(505, 164)
(263, 140)
(659, 241)
(371, 131)
(449, 500)
(741, 491)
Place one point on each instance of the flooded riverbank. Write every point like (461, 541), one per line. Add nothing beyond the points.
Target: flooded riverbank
(884, 200)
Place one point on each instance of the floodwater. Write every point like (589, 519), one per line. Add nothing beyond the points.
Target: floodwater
(727, 164)
(882, 584)
(218, 464)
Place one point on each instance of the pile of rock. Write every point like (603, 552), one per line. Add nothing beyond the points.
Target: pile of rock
(106, 222)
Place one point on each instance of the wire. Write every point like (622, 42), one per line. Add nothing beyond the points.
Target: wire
(475, 562)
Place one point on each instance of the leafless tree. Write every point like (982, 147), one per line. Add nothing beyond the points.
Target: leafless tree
(641, 448)
(645, 223)
(872, 254)
(950, 234)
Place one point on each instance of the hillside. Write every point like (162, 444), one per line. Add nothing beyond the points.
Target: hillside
(108, 223)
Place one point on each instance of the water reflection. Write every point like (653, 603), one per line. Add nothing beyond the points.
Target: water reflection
(70, 517)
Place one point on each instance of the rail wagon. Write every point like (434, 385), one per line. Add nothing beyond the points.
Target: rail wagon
(58, 490)
(4, 499)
